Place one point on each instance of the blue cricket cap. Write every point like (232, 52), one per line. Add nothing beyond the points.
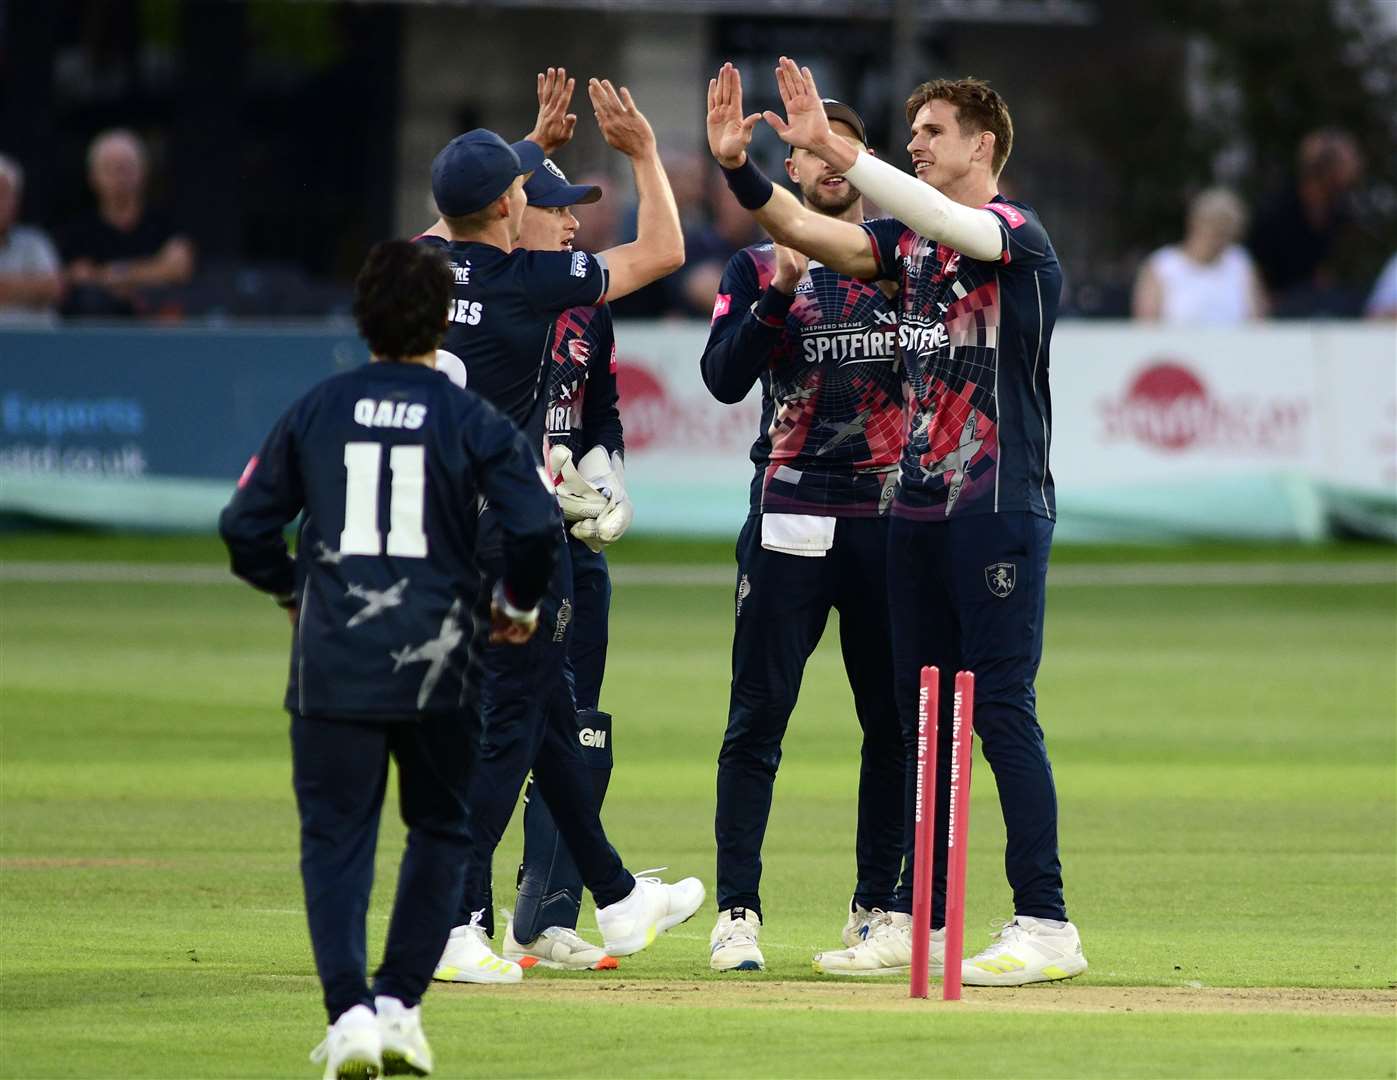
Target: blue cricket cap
(475, 169)
(549, 187)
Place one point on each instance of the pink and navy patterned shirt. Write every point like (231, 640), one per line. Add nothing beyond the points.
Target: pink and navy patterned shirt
(826, 358)
(974, 338)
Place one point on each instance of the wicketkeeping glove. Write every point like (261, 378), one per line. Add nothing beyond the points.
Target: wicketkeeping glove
(607, 475)
(579, 499)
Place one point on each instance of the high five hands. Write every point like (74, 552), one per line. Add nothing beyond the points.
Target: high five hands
(554, 126)
(805, 124)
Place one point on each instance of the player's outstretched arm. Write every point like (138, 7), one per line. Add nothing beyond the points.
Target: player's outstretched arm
(658, 248)
(840, 245)
(554, 125)
(970, 230)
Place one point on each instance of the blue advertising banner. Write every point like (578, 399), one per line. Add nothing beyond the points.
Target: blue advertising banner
(119, 403)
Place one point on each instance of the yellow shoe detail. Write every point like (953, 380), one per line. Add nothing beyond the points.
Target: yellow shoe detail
(1000, 965)
(1052, 971)
(651, 934)
(447, 973)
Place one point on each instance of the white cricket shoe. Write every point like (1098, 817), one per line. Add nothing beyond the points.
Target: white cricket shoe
(405, 1049)
(887, 951)
(468, 958)
(862, 921)
(1026, 950)
(557, 947)
(733, 943)
(352, 1049)
(652, 907)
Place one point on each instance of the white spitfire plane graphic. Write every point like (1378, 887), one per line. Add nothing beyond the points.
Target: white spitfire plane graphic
(958, 460)
(324, 554)
(843, 432)
(436, 653)
(375, 602)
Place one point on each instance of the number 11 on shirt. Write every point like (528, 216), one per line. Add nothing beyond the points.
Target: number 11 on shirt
(407, 494)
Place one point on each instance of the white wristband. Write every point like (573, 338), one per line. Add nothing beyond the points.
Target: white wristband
(522, 616)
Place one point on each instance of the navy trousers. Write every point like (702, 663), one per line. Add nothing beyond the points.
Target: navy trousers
(528, 721)
(549, 883)
(591, 613)
(968, 594)
(340, 773)
(783, 602)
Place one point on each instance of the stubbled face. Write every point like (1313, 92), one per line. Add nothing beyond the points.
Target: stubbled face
(941, 154)
(824, 189)
(548, 228)
(118, 170)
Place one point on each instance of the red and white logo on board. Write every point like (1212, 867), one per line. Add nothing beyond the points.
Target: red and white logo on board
(1168, 407)
(721, 306)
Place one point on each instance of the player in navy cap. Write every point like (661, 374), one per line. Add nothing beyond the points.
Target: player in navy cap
(385, 464)
(823, 348)
(585, 448)
(972, 520)
(504, 303)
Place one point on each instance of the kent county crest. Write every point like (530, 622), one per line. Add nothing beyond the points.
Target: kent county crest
(1000, 578)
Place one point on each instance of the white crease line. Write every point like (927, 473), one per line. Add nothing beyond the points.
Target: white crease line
(1079, 575)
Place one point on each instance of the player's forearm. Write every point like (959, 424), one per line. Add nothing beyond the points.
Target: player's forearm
(601, 416)
(840, 245)
(658, 230)
(969, 230)
(257, 549)
(735, 356)
(529, 559)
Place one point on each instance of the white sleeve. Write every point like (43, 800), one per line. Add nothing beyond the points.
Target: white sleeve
(969, 230)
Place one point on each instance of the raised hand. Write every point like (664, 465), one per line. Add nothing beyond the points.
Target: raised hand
(805, 125)
(791, 266)
(729, 132)
(554, 126)
(623, 126)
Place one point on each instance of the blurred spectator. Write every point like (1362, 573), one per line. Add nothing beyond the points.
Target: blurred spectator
(117, 254)
(708, 249)
(1293, 233)
(1208, 278)
(1382, 301)
(30, 284)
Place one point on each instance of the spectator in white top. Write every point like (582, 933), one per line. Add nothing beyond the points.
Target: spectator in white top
(1382, 302)
(1208, 279)
(30, 284)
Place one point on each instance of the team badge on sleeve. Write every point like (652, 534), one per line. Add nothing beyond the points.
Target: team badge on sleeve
(721, 306)
(248, 470)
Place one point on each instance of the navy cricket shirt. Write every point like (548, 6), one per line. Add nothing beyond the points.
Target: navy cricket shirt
(389, 463)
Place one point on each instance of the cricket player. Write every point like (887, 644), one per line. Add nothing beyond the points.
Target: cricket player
(504, 303)
(972, 520)
(385, 465)
(585, 444)
(823, 347)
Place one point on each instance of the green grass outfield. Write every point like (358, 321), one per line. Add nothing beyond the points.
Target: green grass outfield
(1226, 755)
